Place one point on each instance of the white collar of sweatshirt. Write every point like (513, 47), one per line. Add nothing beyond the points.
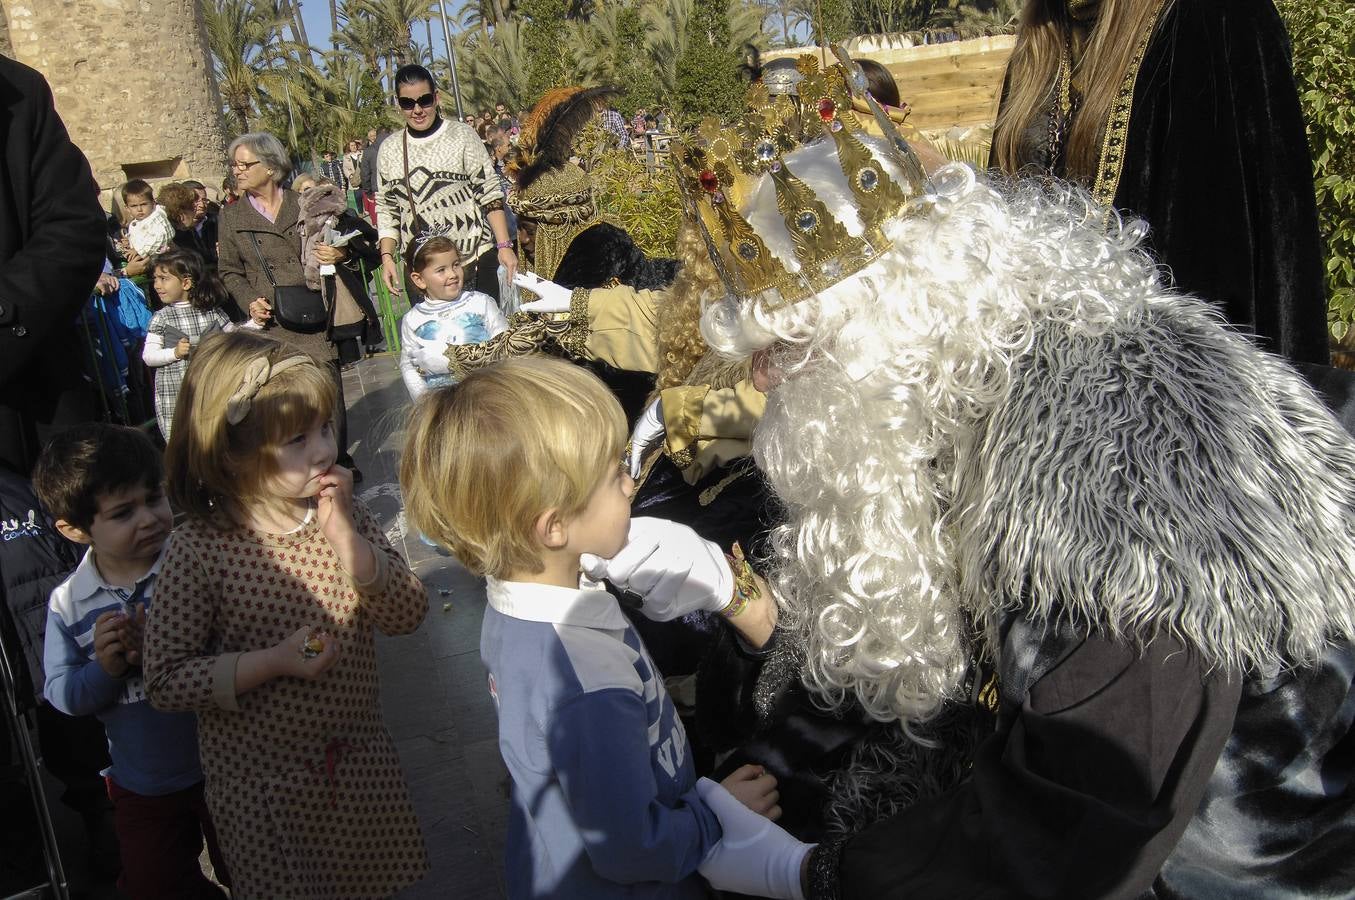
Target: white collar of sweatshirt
(588, 606)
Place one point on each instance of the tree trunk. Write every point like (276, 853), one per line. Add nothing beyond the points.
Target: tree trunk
(298, 26)
(333, 16)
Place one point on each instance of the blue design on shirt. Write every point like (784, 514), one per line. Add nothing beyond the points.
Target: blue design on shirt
(430, 330)
(473, 329)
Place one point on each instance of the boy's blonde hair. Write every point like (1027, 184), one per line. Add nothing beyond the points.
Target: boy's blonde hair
(486, 457)
(215, 468)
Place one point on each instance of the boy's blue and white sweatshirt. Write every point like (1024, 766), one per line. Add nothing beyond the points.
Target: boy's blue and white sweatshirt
(153, 752)
(604, 790)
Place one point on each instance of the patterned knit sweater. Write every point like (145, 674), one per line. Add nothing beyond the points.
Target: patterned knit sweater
(453, 183)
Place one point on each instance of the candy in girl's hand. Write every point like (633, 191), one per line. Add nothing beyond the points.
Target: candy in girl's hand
(313, 646)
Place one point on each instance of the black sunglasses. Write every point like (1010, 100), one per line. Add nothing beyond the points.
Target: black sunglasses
(425, 101)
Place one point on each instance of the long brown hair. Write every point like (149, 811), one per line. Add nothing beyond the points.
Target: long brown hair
(1032, 73)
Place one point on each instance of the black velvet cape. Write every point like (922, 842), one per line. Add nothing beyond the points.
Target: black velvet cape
(1217, 161)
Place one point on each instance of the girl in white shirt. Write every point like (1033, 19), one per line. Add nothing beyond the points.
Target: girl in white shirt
(446, 315)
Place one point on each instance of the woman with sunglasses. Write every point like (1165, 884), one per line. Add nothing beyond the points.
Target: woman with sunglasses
(259, 246)
(436, 175)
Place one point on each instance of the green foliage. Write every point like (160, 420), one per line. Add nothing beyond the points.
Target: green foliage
(634, 73)
(268, 82)
(493, 67)
(548, 60)
(1323, 35)
(835, 23)
(708, 79)
(640, 199)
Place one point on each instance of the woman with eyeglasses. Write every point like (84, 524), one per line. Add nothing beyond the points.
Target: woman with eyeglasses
(435, 175)
(259, 246)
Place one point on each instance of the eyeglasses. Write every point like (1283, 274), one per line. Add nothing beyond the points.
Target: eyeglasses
(241, 166)
(425, 101)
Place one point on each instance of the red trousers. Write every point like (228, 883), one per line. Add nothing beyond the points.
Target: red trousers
(159, 841)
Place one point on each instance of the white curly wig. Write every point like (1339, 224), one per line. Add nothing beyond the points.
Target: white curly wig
(875, 444)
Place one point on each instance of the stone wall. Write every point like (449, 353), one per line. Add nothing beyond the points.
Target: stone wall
(132, 81)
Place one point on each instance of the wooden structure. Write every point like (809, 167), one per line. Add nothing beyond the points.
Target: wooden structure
(956, 84)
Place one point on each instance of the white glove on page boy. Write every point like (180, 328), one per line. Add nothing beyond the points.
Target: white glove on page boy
(672, 567)
(647, 432)
(755, 855)
(554, 298)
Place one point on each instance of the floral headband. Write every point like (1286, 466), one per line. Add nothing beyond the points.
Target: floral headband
(256, 376)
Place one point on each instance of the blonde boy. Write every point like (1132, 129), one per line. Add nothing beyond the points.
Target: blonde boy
(518, 471)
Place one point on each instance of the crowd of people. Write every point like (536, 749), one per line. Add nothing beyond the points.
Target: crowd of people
(917, 530)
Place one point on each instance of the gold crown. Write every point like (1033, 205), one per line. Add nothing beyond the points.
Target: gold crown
(723, 176)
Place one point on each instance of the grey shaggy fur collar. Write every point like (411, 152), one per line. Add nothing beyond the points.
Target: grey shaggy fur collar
(1158, 473)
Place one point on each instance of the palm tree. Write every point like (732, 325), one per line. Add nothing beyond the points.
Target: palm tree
(240, 34)
(395, 19)
(494, 68)
(666, 34)
(298, 25)
(349, 100)
(360, 35)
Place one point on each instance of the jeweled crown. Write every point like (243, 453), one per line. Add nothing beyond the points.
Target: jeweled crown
(730, 176)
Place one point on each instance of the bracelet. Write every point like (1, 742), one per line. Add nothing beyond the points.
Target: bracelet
(745, 583)
(388, 253)
(504, 245)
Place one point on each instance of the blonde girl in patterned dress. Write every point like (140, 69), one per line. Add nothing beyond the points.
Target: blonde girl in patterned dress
(265, 613)
(194, 304)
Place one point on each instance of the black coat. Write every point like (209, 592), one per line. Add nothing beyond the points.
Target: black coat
(201, 242)
(1217, 161)
(34, 558)
(51, 252)
(364, 255)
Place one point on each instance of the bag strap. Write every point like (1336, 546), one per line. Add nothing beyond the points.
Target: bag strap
(413, 206)
(267, 269)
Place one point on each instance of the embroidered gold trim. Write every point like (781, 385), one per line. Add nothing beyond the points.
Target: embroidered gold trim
(707, 497)
(683, 458)
(574, 341)
(1111, 163)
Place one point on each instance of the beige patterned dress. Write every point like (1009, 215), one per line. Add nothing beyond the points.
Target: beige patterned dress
(303, 781)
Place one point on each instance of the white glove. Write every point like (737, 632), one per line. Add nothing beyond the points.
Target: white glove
(673, 568)
(431, 359)
(647, 432)
(755, 856)
(554, 298)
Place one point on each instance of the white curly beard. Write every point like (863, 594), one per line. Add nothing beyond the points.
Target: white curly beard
(942, 453)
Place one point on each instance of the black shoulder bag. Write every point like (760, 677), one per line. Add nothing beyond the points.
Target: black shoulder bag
(295, 306)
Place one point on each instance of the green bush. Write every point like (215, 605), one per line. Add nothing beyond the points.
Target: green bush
(547, 56)
(708, 81)
(1323, 34)
(643, 201)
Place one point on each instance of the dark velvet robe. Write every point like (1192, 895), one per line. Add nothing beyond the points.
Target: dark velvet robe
(1217, 161)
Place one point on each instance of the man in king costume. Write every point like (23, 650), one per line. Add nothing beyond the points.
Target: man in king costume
(1021, 473)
